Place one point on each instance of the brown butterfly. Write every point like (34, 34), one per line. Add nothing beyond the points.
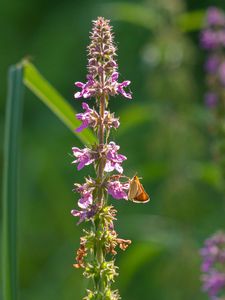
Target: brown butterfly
(136, 191)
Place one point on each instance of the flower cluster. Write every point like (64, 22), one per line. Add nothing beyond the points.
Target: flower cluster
(109, 153)
(213, 40)
(102, 78)
(101, 239)
(213, 266)
(91, 118)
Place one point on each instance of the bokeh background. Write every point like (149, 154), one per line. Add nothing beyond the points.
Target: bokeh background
(165, 132)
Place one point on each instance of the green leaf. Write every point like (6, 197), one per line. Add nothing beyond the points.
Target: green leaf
(54, 101)
(191, 21)
(13, 122)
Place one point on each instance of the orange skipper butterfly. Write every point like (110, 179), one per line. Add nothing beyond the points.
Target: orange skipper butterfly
(136, 191)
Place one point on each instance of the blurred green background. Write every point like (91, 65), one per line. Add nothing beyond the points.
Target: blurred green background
(165, 132)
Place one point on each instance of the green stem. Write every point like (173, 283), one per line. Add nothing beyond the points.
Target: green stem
(100, 175)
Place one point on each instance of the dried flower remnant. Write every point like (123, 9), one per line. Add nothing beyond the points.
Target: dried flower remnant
(99, 243)
(213, 266)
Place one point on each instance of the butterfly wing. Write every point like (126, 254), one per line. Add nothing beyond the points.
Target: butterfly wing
(133, 188)
(137, 192)
(141, 197)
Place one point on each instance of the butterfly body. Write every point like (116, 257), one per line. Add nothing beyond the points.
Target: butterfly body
(137, 192)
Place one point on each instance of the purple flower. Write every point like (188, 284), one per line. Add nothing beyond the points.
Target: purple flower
(118, 190)
(222, 73)
(212, 64)
(211, 99)
(86, 194)
(213, 265)
(93, 87)
(213, 40)
(213, 283)
(114, 160)
(89, 117)
(118, 88)
(110, 121)
(84, 157)
(214, 249)
(85, 200)
(87, 89)
(102, 64)
(85, 214)
(209, 39)
(215, 17)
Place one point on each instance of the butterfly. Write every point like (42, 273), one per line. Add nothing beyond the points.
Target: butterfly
(137, 192)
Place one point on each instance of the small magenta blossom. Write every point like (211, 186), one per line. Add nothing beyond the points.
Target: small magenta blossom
(117, 189)
(84, 214)
(88, 118)
(98, 246)
(84, 157)
(213, 266)
(87, 156)
(113, 159)
(215, 17)
(211, 99)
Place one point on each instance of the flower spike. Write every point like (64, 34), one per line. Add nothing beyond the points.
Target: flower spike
(99, 245)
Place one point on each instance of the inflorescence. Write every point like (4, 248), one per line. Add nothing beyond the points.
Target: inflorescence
(213, 41)
(99, 244)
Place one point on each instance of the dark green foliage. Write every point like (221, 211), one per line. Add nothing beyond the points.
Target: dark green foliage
(165, 133)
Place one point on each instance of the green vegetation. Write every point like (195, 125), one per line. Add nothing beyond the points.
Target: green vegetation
(165, 132)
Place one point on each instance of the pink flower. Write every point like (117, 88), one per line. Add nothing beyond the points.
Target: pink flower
(93, 87)
(215, 17)
(213, 256)
(209, 39)
(213, 283)
(84, 214)
(87, 89)
(118, 88)
(84, 157)
(88, 210)
(89, 117)
(110, 121)
(85, 200)
(114, 160)
(118, 190)
(86, 194)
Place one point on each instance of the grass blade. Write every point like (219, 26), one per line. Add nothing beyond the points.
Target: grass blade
(55, 102)
(10, 181)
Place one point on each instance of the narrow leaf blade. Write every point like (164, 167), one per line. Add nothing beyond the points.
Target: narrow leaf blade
(13, 120)
(54, 101)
